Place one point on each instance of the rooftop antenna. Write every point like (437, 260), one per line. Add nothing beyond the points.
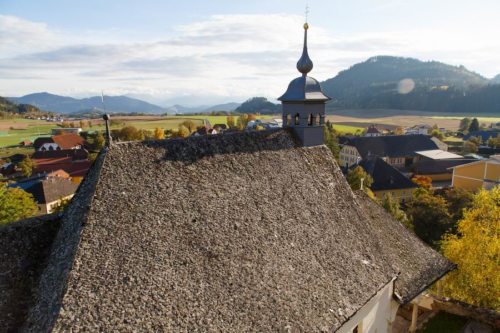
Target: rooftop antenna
(106, 118)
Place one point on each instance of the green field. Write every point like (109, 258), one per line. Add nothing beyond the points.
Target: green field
(13, 131)
(344, 129)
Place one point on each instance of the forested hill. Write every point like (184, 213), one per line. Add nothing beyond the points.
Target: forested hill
(411, 84)
(7, 108)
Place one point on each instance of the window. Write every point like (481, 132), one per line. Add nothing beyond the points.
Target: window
(311, 120)
(288, 120)
(297, 119)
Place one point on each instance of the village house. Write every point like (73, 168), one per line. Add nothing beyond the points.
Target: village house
(397, 150)
(49, 191)
(476, 175)
(59, 142)
(73, 161)
(388, 180)
(372, 131)
(252, 231)
(422, 129)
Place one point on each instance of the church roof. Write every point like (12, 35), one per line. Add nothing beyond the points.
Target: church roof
(237, 232)
(302, 89)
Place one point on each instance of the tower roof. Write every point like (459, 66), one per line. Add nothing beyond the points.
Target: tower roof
(304, 88)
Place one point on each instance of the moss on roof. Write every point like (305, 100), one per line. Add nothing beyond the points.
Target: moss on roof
(235, 232)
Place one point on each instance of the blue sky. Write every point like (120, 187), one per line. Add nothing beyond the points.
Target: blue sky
(203, 52)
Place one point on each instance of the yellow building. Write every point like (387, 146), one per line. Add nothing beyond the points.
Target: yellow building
(481, 174)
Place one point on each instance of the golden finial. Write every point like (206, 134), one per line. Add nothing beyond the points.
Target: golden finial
(306, 26)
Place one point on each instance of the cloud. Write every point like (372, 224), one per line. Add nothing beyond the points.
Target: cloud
(230, 57)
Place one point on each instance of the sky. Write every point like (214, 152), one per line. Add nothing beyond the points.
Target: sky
(199, 52)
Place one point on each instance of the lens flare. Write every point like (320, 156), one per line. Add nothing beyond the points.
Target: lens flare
(406, 86)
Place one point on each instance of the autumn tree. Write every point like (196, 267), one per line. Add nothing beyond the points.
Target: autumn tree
(469, 148)
(252, 116)
(437, 134)
(182, 132)
(82, 124)
(15, 204)
(159, 133)
(423, 181)
(457, 199)
(242, 121)
(230, 122)
(429, 215)
(476, 250)
(356, 176)
(392, 206)
(26, 166)
(130, 133)
(190, 125)
(493, 142)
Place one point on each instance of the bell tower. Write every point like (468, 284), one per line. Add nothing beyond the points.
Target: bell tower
(304, 103)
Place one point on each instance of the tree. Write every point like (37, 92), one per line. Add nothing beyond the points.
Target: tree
(458, 199)
(82, 124)
(474, 125)
(437, 134)
(354, 177)
(15, 204)
(99, 141)
(159, 133)
(464, 124)
(476, 251)
(27, 165)
(242, 121)
(190, 125)
(230, 122)
(494, 142)
(429, 216)
(393, 207)
(182, 132)
(331, 139)
(130, 133)
(423, 181)
(469, 148)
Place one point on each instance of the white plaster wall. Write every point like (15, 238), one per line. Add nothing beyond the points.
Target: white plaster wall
(377, 315)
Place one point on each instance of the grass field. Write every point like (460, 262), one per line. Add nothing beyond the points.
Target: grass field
(344, 129)
(13, 131)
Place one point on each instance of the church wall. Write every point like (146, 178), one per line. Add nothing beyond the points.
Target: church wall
(375, 316)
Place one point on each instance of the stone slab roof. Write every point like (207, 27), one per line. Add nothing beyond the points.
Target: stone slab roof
(237, 232)
(24, 247)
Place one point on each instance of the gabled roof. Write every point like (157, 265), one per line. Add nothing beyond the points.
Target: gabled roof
(73, 168)
(68, 140)
(51, 189)
(240, 232)
(437, 154)
(39, 142)
(75, 154)
(385, 176)
(391, 145)
(372, 130)
(484, 135)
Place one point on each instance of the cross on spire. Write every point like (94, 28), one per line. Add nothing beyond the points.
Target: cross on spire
(307, 10)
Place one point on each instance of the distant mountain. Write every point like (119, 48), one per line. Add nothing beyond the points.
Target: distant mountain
(179, 109)
(68, 105)
(223, 107)
(411, 84)
(496, 79)
(259, 105)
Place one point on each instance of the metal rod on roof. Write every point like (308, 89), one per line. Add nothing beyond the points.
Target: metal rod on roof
(106, 118)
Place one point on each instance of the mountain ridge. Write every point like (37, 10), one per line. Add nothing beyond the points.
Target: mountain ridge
(410, 84)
